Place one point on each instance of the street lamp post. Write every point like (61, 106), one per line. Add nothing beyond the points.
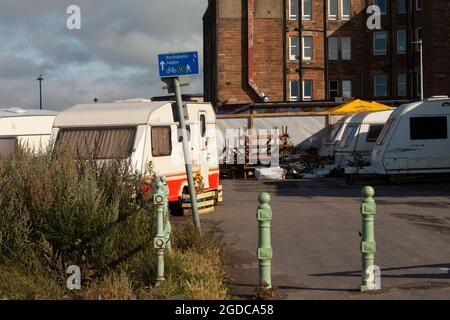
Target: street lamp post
(420, 44)
(40, 79)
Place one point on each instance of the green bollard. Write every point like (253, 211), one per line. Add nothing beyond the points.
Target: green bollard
(159, 240)
(368, 244)
(167, 225)
(264, 216)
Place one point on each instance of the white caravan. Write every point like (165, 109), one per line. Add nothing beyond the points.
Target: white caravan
(359, 138)
(144, 132)
(30, 129)
(415, 140)
(329, 146)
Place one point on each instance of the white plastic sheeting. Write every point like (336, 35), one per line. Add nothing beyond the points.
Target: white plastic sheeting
(304, 132)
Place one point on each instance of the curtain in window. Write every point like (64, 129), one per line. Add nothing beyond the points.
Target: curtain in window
(103, 143)
(161, 141)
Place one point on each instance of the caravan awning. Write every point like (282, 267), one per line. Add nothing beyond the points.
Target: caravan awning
(359, 106)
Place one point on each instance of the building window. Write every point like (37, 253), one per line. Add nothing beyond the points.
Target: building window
(161, 141)
(333, 48)
(332, 9)
(401, 6)
(428, 128)
(346, 89)
(346, 9)
(346, 48)
(380, 43)
(381, 4)
(418, 5)
(294, 51)
(307, 48)
(293, 10)
(307, 9)
(307, 90)
(402, 85)
(381, 86)
(294, 90)
(333, 89)
(401, 42)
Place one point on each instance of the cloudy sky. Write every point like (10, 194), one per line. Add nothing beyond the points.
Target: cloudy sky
(112, 57)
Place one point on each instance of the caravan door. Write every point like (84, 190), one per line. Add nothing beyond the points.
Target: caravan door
(203, 148)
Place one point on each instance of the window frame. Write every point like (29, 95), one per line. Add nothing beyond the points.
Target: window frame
(170, 139)
(342, 48)
(399, 51)
(351, 88)
(203, 125)
(398, 6)
(291, 16)
(99, 130)
(334, 16)
(414, 137)
(330, 47)
(371, 126)
(346, 137)
(304, 47)
(291, 40)
(377, 85)
(405, 75)
(329, 89)
(379, 52)
(346, 16)
(297, 97)
(383, 10)
(385, 131)
(307, 17)
(417, 5)
(305, 97)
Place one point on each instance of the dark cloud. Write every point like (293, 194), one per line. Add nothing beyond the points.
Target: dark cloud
(112, 57)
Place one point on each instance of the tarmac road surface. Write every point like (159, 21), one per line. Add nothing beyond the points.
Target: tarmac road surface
(316, 242)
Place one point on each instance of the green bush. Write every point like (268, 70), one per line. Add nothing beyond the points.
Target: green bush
(56, 212)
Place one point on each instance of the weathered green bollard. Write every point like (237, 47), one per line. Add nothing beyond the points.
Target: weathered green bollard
(264, 216)
(159, 240)
(368, 244)
(167, 225)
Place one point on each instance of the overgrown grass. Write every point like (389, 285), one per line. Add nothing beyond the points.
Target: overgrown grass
(56, 212)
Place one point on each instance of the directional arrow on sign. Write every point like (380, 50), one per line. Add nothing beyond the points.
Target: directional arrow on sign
(162, 65)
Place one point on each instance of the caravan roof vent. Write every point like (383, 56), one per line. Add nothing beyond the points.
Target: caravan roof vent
(17, 110)
(435, 98)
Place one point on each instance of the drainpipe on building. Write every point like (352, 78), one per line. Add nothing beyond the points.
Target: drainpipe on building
(250, 26)
(300, 45)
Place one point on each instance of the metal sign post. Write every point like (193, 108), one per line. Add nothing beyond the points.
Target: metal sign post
(173, 65)
(187, 158)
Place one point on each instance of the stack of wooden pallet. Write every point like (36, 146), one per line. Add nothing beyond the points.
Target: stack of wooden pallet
(205, 201)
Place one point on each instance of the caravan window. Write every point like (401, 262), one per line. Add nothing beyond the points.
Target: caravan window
(374, 132)
(384, 131)
(203, 124)
(334, 132)
(161, 141)
(428, 128)
(7, 146)
(349, 133)
(99, 143)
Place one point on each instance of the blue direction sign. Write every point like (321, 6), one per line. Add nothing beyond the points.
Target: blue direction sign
(178, 64)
